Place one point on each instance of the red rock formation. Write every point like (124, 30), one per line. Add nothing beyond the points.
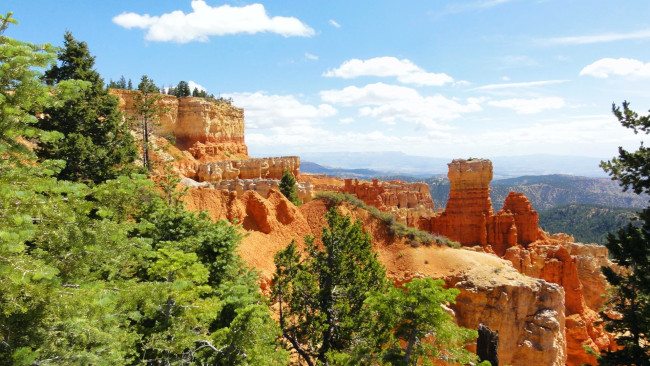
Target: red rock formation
(469, 217)
(204, 127)
(407, 201)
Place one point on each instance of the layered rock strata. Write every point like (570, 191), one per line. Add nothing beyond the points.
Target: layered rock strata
(267, 168)
(408, 201)
(469, 217)
(204, 127)
(262, 186)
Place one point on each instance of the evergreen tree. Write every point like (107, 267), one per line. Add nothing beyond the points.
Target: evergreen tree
(320, 296)
(96, 146)
(182, 89)
(630, 248)
(195, 92)
(129, 85)
(122, 82)
(288, 187)
(410, 326)
(148, 113)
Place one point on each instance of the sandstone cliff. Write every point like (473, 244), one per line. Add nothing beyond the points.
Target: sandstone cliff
(204, 127)
(267, 168)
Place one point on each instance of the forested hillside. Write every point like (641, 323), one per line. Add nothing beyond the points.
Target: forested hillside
(587, 223)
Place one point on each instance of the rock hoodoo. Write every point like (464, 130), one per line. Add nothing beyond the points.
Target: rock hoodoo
(469, 217)
(204, 127)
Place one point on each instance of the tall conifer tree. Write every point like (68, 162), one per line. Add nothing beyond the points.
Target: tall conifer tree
(630, 248)
(96, 144)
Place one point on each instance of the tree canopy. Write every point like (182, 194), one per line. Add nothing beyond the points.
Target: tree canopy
(628, 315)
(96, 144)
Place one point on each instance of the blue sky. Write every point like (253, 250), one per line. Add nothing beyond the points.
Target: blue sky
(479, 78)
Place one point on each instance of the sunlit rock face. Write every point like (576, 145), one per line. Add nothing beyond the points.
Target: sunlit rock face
(469, 217)
(204, 127)
(527, 313)
(266, 168)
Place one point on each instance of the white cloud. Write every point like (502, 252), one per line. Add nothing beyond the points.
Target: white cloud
(193, 85)
(310, 56)
(519, 85)
(392, 103)
(371, 94)
(605, 67)
(333, 23)
(265, 111)
(205, 21)
(346, 120)
(406, 71)
(529, 106)
(609, 37)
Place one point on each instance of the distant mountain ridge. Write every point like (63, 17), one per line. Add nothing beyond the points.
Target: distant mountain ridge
(398, 163)
(548, 191)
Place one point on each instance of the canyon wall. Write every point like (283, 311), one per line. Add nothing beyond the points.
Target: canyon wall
(204, 127)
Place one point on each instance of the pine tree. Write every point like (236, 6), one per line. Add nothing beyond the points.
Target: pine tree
(96, 146)
(148, 113)
(630, 248)
(122, 82)
(320, 296)
(288, 187)
(129, 85)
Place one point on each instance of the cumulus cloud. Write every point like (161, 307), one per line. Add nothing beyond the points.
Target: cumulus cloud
(310, 56)
(605, 67)
(265, 111)
(193, 85)
(529, 106)
(392, 103)
(334, 24)
(205, 21)
(406, 71)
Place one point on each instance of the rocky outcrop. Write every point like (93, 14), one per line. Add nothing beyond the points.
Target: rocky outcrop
(204, 127)
(262, 186)
(407, 201)
(528, 314)
(390, 193)
(267, 168)
(469, 217)
(552, 261)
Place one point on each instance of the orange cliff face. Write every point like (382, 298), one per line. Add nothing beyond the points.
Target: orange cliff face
(469, 217)
(208, 129)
